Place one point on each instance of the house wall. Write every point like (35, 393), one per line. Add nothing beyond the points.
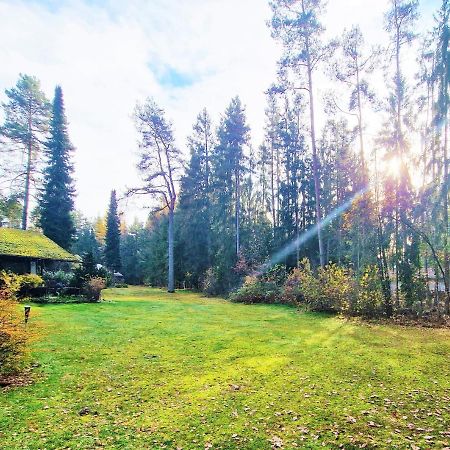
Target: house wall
(15, 265)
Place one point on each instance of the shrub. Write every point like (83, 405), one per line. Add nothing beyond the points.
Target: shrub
(9, 284)
(370, 300)
(14, 285)
(121, 285)
(333, 289)
(93, 288)
(255, 290)
(12, 332)
(338, 289)
(210, 282)
(60, 299)
(277, 274)
(89, 269)
(58, 279)
(301, 285)
(28, 282)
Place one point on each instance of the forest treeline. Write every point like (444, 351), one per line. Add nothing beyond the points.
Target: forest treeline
(330, 194)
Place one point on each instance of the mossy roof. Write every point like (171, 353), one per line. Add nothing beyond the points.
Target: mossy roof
(31, 244)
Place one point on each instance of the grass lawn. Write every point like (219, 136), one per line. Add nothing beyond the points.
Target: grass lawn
(152, 370)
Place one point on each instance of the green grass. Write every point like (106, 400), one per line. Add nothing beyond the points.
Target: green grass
(180, 371)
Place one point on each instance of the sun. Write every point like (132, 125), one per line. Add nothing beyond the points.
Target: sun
(394, 166)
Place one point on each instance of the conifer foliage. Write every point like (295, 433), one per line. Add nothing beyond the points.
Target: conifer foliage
(24, 129)
(112, 240)
(57, 198)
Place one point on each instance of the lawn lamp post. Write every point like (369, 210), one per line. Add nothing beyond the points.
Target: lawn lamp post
(27, 309)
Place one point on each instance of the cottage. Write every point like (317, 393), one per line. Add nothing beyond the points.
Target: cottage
(30, 252)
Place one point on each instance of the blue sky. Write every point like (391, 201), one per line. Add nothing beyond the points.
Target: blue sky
(187, 54)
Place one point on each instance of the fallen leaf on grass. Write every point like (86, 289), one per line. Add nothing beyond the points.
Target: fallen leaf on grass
(276, 442)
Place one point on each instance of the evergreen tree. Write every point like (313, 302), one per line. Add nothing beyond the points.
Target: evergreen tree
(56, 201)
(85, 241)
(26, 124)
(228, 167)
(194, 213)
(112, 239)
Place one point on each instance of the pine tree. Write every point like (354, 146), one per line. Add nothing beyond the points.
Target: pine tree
(56, 201)
(159, 165)
(112, 240)
(26, 124)
(297, 26)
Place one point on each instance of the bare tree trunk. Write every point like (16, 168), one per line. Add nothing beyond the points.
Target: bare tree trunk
(26, 197)
(446, 222)
(171, 278)
(272, 184)
(237, 212)
(315, 158)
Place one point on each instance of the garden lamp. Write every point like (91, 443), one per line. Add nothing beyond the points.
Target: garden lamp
(27, 309)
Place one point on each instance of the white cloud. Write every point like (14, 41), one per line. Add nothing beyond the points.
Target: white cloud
(108, 55)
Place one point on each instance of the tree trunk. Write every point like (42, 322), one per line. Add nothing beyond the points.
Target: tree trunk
(26, 197)
(171, 277)
(315, 162)
(446, 221)
(238, 207)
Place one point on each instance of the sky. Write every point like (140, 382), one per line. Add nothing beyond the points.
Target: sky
(186, 54)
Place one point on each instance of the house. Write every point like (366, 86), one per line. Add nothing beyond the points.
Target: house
(23, 251)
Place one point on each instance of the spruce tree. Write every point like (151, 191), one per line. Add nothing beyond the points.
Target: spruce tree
(194, 207)
(228, 166)
(112, 240)
(56, 202)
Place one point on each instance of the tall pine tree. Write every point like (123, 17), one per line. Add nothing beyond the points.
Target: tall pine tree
(26, 124)
(56, 202)
(112, 240)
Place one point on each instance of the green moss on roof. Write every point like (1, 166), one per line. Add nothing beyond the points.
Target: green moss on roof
(31, 244)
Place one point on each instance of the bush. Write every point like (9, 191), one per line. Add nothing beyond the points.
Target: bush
(293, 287)
(255, 290)
(60, 299)
(338, 289)
(14, 285)
(333, 289)
(28, 282)
(210, 283)
(58, 279)
(13, 336)
(87, 270)
(9, 284)
(370, 300)
(277, 274)
(121, 285)
(93, 288)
